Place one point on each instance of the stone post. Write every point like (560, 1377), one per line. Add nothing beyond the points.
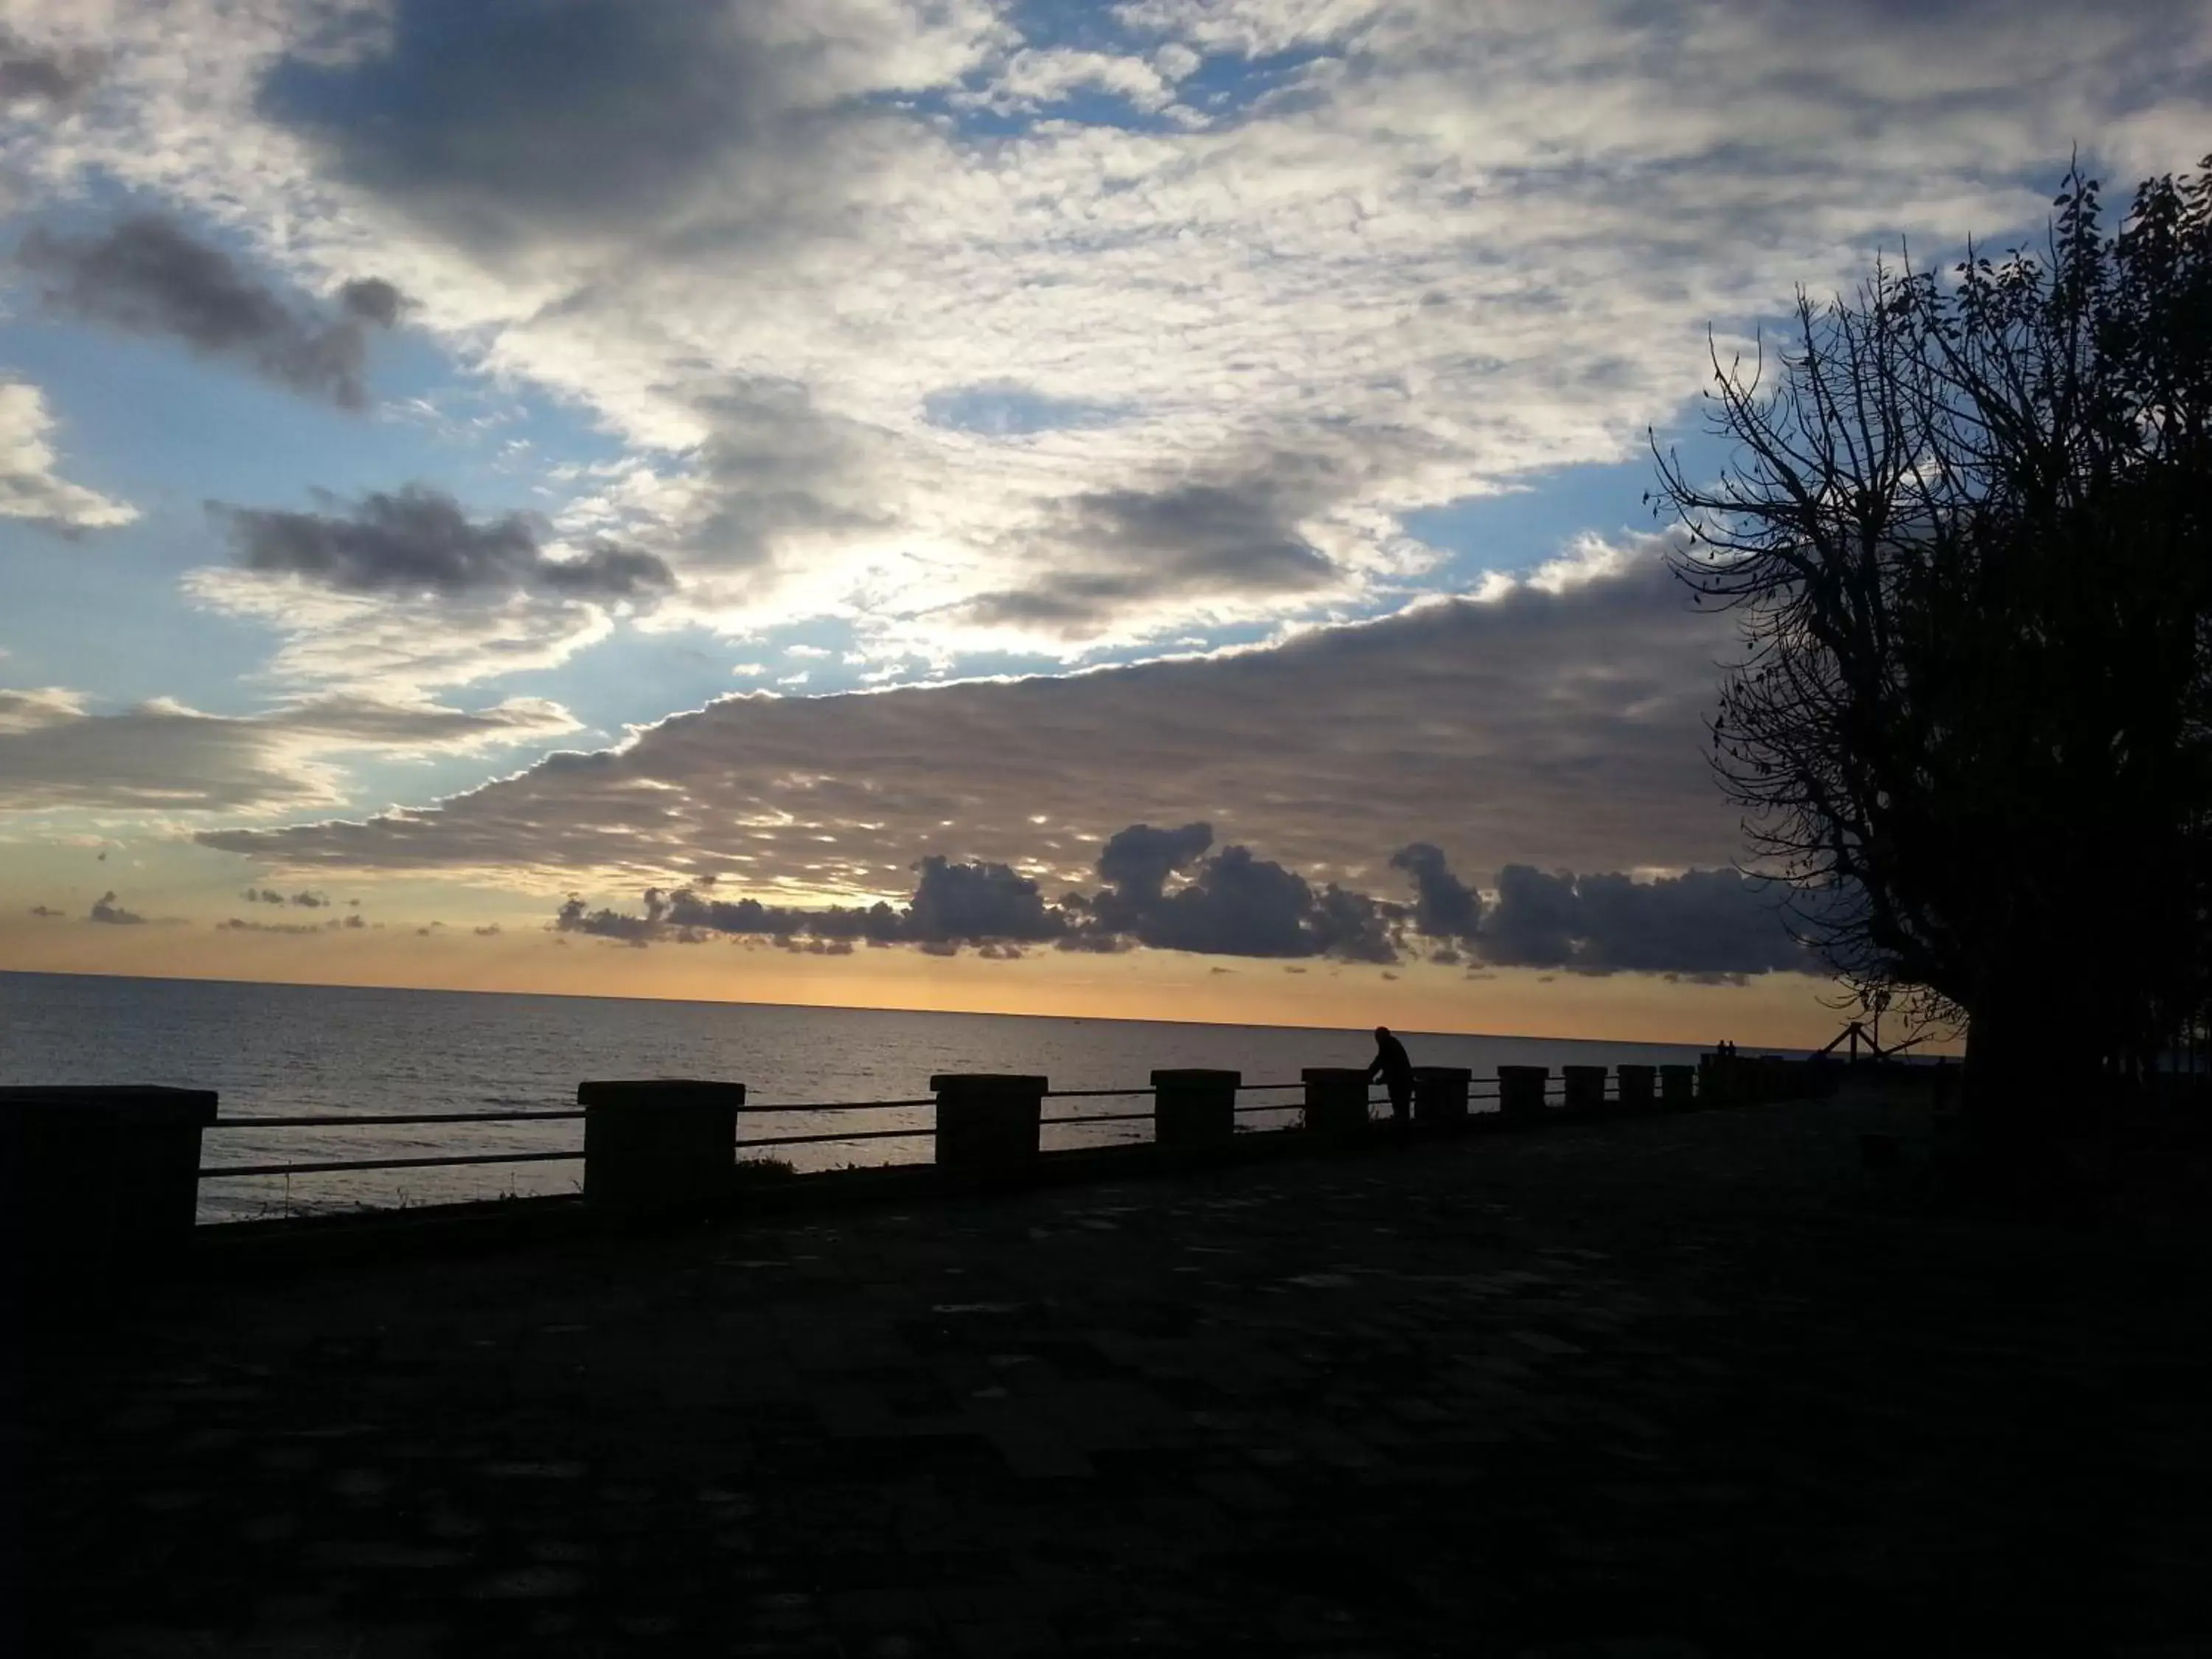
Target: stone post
(1336, 1101)
(1194, 1109)
(99, 1178)
(1718, 1075)
(659, 1145)
(1677, 1087)
(987, 1122)
(1440, 1095)
(1637, 1092)
(1585, 1091)
(1521, 1090)
(1771, 1079)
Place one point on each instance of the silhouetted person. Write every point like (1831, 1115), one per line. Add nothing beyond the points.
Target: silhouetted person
(1395, 1068)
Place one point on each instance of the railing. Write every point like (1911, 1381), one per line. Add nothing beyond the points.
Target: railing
(1553, 1087)
(130, 1157)
(361, 1119)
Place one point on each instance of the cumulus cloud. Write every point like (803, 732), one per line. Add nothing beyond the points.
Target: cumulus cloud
(1705, 924)
(953, 904)
(47, 912)
(149, 274)
(1444, 907)
(31, 487)
(419, 542)
(1230, 904)
(107, 910)
(294, 929)
(1159, 893)
(162, 755)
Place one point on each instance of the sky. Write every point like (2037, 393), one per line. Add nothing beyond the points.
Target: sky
(1125, 509)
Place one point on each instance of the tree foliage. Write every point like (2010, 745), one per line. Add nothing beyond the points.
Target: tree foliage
(1964, 525)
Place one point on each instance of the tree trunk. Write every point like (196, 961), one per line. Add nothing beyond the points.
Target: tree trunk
(2032, 1077)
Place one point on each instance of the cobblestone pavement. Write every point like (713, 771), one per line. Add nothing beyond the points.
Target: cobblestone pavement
(1676, 1387)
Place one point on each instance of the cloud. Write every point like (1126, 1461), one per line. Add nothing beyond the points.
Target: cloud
(1444, 907)
(30, 487)
(1031, 79)
(1186, 542)
(373, 300)
(163, 756)
(294, 929)
(262, 895)
(105, 909)
(1536, 727)
(1702, 924)
(419, 543)
(1230, 904)
(596, 119)
(46, 913)
(58, 76)
(394, 649)
(1708, 925)
(147, 274)
(953, 904)
(1438, 248)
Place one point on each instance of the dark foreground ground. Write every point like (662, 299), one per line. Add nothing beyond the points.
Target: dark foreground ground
(1692, 1387)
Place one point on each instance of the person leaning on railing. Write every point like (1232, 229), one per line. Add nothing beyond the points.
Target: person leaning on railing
(1395, 1068)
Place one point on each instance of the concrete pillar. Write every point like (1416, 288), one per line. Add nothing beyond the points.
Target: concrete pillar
(1637, 1092)
(1193, 1108)
(1772, 1080)
(1585, 1091)
(659, 1144)
(1677, 1087)
(1336, 1101)
(987, 1122)
(1440, 1095)
(103, 1179)
(1717, 1077)
(1521, 1090)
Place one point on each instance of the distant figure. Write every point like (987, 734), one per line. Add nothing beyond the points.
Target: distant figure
(1395, 1068)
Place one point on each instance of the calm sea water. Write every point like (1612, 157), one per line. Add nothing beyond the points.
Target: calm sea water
(295, 1050)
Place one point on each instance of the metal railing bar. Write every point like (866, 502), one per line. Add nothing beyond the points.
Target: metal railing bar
(1101, 1117)
(747, 1144)
(226, 1171)
(348, 1121)
(1092, 1094)
(842, 1106)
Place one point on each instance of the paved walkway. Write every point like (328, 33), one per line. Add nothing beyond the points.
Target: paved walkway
(1676, 1387)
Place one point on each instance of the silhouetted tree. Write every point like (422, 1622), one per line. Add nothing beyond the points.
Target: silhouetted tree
(1966, 527)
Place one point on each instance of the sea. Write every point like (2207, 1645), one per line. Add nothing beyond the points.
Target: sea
(306, 1050)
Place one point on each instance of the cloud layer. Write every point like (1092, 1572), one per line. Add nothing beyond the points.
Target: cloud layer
(1551, 727)
(1254, 281)
(56, 753)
